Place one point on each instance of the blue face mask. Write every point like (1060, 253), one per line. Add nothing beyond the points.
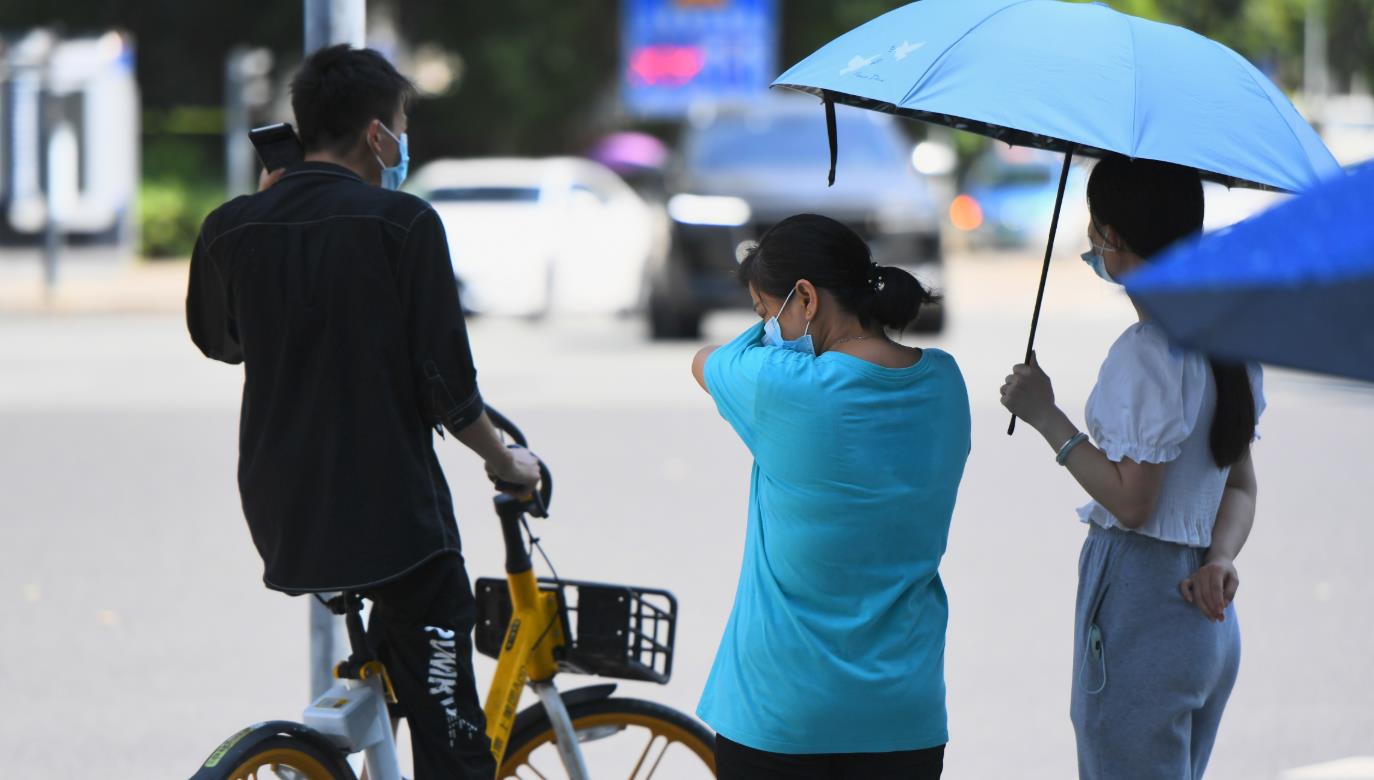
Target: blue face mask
(1096, 260)
(393, 176)
(1098, 263)
(772, 333)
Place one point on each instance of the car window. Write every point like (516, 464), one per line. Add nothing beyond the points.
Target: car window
(791, 140)
(484, 195)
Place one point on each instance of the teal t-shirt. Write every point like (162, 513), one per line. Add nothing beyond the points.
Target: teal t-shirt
(837, 637)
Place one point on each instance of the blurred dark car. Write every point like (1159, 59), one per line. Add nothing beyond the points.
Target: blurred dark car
(1007, 198)
(742, 169)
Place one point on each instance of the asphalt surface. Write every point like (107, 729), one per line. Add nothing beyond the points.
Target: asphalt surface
(137, 634)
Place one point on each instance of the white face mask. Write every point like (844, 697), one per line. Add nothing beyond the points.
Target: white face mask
(772, 333)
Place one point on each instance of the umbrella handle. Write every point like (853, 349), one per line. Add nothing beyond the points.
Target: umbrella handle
(831, 135)
(1045, 272)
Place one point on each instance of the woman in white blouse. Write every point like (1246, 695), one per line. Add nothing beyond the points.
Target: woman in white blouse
(1166, 462)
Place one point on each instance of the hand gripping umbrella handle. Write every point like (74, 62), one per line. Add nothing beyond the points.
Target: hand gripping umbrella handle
(1045, 272)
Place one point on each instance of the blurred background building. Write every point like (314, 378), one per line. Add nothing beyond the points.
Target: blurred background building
(69, 153)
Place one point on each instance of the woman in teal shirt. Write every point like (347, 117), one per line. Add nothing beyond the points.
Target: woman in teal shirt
(832, 662)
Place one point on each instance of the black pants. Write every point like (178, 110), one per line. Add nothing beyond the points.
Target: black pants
(421, 630)
(737, 762)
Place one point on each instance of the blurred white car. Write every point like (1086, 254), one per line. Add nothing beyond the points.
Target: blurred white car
(531, 236)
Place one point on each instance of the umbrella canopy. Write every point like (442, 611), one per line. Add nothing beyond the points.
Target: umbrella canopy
(1075, 77)
(1079, 76)
(1293, 286)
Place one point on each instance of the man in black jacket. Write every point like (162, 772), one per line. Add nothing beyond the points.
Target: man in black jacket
(337, 295)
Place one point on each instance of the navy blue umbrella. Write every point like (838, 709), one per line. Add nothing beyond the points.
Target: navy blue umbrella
(1293, 286)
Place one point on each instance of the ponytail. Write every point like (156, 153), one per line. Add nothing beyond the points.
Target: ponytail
(1233, 425)
(893, 299)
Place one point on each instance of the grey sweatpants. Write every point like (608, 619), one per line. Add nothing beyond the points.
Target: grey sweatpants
(1151, 675)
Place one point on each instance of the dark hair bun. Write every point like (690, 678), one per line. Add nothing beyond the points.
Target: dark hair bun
(895, 299)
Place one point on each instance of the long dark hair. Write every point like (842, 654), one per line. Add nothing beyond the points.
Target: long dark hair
(835, 259)
(1151, 205)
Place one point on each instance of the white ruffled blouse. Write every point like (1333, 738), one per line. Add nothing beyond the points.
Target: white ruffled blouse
(1154, 403)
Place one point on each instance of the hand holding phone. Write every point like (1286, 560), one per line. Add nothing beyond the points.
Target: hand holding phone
(277, 146)
(267, 178)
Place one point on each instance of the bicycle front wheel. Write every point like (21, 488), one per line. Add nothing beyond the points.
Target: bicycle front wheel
(287, 758)
(628, 738)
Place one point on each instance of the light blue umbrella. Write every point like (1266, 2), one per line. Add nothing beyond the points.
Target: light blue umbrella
(1072, 77)
(1293, 286)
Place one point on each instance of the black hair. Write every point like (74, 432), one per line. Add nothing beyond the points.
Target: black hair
(834, 258)
(1151, 205)
(338, 90)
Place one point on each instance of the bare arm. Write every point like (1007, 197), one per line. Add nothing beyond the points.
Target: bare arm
(1213, 586)
(1129, 490)
(518, 466)
(442, 354)
(482, 438)
(1236, 515)
(699, 365)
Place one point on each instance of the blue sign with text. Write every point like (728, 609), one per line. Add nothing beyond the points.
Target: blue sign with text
(675, 53)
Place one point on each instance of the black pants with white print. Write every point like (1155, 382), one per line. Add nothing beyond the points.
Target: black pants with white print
(421, 630)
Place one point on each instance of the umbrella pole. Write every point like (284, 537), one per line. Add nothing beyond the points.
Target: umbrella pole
(831, 135)
(1045, 272)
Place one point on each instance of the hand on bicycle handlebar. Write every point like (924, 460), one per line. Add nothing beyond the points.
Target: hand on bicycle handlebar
(517, 473)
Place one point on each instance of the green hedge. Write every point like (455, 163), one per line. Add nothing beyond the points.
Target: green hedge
(183, 180)
(170, 212)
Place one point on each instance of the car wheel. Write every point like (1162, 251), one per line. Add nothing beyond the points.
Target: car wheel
(671, 319)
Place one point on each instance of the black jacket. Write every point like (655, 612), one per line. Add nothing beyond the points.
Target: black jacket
(338, 297)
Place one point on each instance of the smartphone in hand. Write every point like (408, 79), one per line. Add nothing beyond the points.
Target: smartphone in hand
(277, 145)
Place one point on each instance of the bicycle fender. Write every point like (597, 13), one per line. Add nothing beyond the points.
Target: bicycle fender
(570, 698)
(238, 747)
(589, 693)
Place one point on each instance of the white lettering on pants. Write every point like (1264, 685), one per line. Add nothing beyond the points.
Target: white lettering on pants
(443, 675)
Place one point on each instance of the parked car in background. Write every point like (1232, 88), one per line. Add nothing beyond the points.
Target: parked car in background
(639, 160)
(1007, 198)
(1007, 201)
(740, 169)
(531, 236)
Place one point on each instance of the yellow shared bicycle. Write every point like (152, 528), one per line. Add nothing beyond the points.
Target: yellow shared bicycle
(536, 628)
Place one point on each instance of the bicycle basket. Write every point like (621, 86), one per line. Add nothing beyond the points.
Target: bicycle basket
(615, 631)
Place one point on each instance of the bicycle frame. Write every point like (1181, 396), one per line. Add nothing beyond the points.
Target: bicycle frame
(353, 712)
(535, 629)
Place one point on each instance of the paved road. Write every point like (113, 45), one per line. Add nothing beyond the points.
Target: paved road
(137, 634)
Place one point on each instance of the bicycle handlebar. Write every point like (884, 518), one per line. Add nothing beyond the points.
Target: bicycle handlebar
(541, 499)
